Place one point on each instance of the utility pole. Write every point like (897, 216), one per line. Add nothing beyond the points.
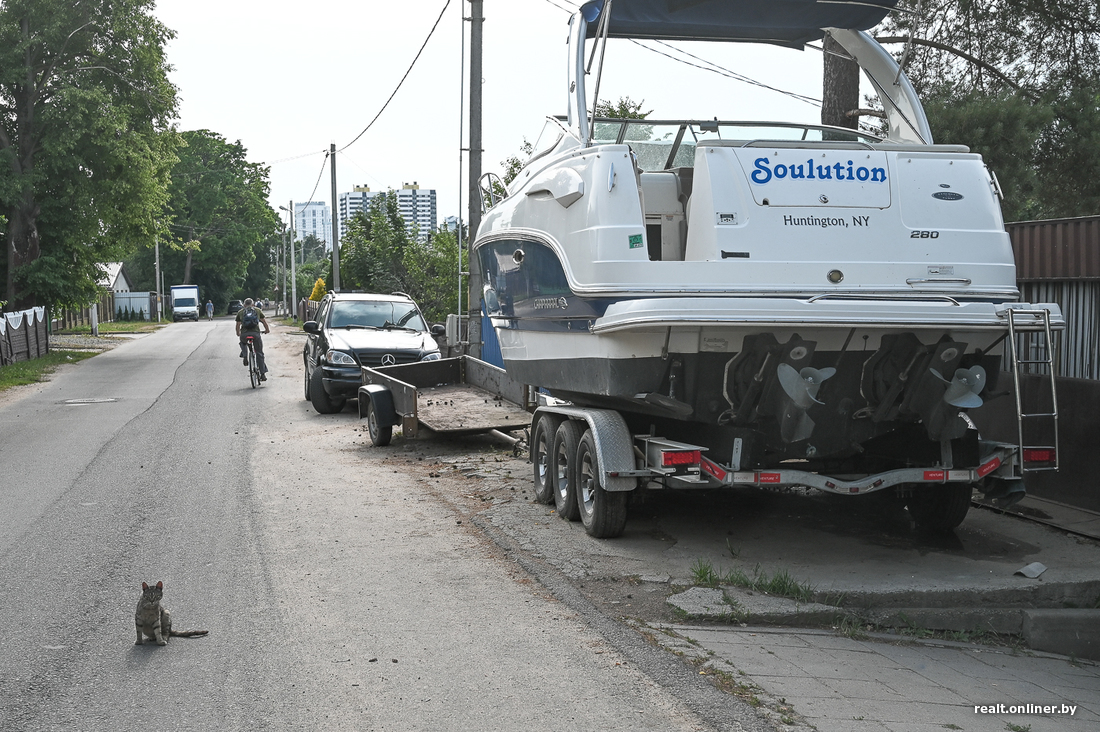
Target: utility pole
(159, 286)
(335, 227)
(282, 261)
(293, 273)
(477, 20)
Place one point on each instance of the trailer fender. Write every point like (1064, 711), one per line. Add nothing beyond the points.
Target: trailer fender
(382, 399)
(613, 442)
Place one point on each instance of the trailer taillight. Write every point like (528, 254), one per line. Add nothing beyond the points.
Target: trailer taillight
(670, 458)
(1040, 455)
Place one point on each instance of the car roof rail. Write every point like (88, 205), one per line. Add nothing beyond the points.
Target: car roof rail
(402, 294)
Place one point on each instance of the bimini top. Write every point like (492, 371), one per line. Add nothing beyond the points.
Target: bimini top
(783, 22)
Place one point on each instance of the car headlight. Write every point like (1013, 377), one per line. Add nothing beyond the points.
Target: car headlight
(339, 358)
(433, 356)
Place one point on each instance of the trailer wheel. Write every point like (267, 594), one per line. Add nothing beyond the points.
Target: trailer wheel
(940, 507)
(603, 513)
(542, 438)
(563, 473)
(379, 436)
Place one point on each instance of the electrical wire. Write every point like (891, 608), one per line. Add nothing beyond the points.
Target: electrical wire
(710, 65)
(400, 83)
(715, 68)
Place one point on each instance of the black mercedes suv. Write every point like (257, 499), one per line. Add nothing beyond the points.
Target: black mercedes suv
(354, 330)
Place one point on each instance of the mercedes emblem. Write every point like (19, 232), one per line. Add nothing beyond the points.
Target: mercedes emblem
(388, 360)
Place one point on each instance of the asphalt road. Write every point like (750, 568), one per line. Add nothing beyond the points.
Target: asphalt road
(340, 592)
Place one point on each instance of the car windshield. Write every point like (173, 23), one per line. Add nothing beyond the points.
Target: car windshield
(375, 314)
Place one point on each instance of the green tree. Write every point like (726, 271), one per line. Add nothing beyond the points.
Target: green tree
(85, 143)
(1019, 82)
(219, 221)
(378, 254)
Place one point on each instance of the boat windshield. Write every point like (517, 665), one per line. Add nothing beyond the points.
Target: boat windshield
(660, 145)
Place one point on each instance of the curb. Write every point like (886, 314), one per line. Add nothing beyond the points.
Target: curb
(1071, 632)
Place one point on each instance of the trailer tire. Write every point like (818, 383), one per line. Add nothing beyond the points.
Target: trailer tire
(603, 513)
(563, 467)
(380, 435)
(940, 508)
(542, 438)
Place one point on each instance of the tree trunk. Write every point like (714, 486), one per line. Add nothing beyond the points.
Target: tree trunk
(840, 87)
(23, 247)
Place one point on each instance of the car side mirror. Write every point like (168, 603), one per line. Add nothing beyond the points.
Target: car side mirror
(439, 330)
(310, 326)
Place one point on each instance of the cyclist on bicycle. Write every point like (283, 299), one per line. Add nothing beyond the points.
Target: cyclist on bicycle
(249, 320)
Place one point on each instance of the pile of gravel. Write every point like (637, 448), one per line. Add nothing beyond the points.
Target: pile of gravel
(83, 343)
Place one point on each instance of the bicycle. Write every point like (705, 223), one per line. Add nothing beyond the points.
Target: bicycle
(254, 375)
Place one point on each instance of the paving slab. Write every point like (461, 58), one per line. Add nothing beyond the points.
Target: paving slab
(835, 682)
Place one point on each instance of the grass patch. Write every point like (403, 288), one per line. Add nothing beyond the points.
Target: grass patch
(31, 372)
(780, 584)
(703, 573)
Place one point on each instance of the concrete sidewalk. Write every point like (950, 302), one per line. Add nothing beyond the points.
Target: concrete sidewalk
(842, 684)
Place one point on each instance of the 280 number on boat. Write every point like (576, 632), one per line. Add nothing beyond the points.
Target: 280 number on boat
(925, 235)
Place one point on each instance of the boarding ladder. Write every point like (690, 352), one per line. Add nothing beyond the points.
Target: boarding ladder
(1036, 323)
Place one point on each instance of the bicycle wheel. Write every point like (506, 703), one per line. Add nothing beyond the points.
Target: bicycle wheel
(253, 368)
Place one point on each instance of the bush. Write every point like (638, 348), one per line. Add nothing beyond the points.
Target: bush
(318, 290)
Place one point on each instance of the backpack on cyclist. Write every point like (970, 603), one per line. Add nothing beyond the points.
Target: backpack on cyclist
(250, 319)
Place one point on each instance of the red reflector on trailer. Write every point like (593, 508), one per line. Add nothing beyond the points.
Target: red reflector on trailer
(1039, 455)
(711, 469)
(991, 466)
(686, 457)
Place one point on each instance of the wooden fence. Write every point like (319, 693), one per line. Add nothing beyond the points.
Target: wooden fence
(70, 318)
(23, 335)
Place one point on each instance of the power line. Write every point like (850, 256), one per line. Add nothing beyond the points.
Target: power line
(400, 83)
(710, 65)
(297, 157)
(722, 71)
(321, 173)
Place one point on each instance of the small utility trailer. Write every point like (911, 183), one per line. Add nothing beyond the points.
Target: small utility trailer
(458, 396)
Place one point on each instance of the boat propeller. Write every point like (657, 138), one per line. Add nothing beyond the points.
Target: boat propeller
(962, 391)
(802, 386)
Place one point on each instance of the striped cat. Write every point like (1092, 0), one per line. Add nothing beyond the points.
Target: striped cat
(153, 619)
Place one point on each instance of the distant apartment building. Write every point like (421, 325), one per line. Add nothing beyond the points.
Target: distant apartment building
(313, 218)
(416, 205)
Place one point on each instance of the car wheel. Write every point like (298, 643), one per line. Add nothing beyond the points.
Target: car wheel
(602, 513)
(320, 398)
(563, 471)
(379, 436)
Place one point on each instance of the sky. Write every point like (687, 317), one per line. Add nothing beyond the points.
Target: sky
(287, 78)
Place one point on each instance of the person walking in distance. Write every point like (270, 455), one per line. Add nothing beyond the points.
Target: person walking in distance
(209, 310)
(249, 320)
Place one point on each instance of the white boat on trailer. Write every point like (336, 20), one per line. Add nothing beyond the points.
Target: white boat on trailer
(786, 304)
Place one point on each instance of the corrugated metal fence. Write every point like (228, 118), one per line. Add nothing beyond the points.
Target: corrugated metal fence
(23, 335)
(1059, 261)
